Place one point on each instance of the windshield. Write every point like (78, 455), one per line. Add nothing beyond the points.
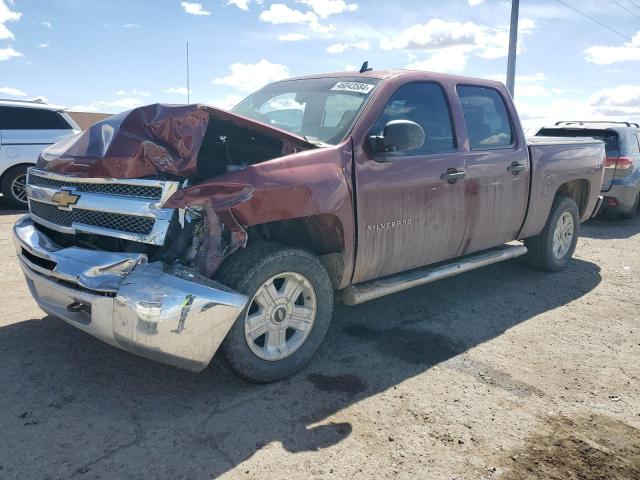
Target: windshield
(319, 109)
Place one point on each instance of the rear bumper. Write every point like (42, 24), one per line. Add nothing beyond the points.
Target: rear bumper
(166, 314)
(624, 194)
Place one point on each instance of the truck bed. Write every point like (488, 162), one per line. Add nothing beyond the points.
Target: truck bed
(556, 161)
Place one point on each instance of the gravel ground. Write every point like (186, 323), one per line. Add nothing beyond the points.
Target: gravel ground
(499, 373)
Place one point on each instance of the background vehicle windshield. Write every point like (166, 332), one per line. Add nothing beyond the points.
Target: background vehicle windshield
(320, 109)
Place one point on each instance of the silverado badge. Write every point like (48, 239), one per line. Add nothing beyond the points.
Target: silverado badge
(64, 198)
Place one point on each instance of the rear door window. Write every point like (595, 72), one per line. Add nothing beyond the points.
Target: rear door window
(609, 137)
(486, 118)
(22, 118)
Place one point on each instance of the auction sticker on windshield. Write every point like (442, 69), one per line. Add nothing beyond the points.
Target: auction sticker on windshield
(358, 87)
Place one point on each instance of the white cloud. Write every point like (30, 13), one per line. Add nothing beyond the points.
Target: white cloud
(342, 47)
(501, 77)
(247, 77)
(84, 108)
(227, 102)
(436, 33)
(140, 93)
(620, 100)
(531, 91)
(292, 37)
(126, 103)
(7, 15)
(241, 4)
(194, 8)
(324, 8)
(621, 103)
(465, 38)
(447, 60)
(604, 55)
(43, 45)
(567, 91)
(350, 68)
(111, 106)
(279, 13)
(178, 91)
(130, 25)
(8, 53)
(14, 92)
(473, 3)
(47, 24)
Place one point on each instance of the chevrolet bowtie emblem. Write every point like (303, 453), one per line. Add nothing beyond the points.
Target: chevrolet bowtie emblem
(64, 198)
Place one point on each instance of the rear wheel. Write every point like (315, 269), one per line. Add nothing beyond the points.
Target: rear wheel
(552, 249)
(14, 186)
(288, 313)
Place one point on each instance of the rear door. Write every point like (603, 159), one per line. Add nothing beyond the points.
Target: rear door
(497, 167)
(408, 216)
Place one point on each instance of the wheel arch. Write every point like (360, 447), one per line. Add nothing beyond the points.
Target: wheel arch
(15, 165)
(322, 234)
(578, 190)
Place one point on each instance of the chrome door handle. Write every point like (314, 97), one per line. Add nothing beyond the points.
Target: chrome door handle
(452, 175)
(516, 167)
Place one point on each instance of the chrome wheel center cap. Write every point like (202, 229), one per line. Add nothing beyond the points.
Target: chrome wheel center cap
(279, 314)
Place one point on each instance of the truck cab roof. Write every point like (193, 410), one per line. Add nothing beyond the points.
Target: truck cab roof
(404, 75)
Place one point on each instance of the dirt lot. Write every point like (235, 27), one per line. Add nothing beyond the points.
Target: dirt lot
(500, 373)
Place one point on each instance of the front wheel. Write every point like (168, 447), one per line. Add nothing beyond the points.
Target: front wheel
(14, 186)
(288, 313)
(552, 249)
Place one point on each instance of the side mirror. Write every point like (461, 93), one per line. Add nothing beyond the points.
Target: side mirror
(398, 136)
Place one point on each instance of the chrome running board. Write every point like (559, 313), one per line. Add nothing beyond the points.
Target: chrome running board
(363, 292)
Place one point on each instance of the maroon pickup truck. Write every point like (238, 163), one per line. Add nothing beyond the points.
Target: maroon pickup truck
(177, 231)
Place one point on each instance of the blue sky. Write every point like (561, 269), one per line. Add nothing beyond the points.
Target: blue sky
(112, 55)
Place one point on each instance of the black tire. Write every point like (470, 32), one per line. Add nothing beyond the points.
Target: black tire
(10, 199)
(246, 271)
(541, 255)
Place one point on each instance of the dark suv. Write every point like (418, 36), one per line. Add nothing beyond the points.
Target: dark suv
(621, 184)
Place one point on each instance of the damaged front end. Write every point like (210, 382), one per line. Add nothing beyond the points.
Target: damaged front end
(104, 249)
(165, 313)
(130, 220)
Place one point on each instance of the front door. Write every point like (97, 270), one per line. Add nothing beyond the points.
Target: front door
(408, 214)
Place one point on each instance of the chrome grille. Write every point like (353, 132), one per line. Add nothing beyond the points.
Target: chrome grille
(124, 208)
(112, 221)
(122, 189)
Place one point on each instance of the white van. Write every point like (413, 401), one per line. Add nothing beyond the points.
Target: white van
(26, 127)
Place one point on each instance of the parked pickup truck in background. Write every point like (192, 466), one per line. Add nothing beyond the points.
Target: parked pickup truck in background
(175, 231)
(621, 184)
(25, 128)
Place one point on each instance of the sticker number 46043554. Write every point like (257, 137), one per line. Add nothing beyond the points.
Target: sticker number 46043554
(359, 87)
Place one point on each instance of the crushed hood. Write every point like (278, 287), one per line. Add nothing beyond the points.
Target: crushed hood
(153, 140)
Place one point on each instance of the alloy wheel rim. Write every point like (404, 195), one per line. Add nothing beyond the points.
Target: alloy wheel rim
(19, 188)
(563, 235)
(280, 316)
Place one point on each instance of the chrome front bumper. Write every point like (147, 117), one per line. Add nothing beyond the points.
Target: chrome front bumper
(167, 314)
